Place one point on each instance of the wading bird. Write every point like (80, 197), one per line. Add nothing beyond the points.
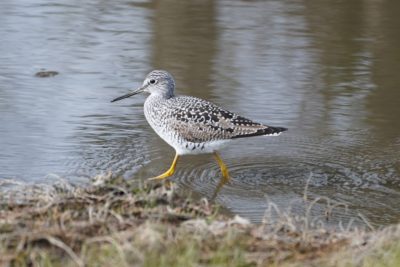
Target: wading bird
(192, 125)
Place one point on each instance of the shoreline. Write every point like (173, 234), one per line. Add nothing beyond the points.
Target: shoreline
(133, 224)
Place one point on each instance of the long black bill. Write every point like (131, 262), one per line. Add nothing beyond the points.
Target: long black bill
(138, 91)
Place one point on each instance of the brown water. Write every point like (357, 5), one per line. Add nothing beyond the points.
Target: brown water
(327, 70)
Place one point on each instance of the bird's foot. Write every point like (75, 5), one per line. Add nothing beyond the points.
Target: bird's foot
(162, 176)
(168, 173)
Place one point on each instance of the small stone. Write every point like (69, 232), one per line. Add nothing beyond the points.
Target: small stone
(46, 73)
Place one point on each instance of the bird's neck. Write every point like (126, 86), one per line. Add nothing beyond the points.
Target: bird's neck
(161, 95)
(153, 106)
(155, 99)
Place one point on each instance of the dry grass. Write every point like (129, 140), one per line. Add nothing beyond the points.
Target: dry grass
(374, 249)
(120, 224)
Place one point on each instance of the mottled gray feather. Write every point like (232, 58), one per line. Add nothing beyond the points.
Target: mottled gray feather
(198, 121)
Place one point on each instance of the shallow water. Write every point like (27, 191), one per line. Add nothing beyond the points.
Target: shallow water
(327, 71)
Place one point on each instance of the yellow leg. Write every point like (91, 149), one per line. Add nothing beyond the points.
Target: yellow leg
(225, 175)
(170, 171)
(224, 169)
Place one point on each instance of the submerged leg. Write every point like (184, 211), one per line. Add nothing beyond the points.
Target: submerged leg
(170, 171)
(225, 175)
(224, 169)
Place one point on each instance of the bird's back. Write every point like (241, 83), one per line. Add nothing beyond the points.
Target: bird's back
(194, 120)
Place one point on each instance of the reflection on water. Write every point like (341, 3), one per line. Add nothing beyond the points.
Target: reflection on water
(327, 71)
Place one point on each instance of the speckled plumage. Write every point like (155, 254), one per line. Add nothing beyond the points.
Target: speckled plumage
(192, 125)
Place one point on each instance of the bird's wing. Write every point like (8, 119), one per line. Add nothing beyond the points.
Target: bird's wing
(198, 121)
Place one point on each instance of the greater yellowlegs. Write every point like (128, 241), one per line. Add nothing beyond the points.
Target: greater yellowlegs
(192, 125)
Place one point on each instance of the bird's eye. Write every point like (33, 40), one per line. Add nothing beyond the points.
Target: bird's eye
(152, 81)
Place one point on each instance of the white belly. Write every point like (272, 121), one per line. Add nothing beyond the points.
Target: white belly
(184, 147)
(160, 123)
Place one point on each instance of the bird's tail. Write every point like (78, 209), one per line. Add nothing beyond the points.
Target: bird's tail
(267, 131)
(272, 131)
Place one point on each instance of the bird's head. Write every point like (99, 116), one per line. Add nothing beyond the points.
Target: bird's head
(157, 82)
